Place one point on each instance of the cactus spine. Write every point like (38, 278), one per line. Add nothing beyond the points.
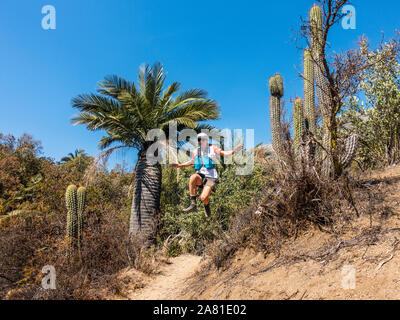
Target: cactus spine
(298, 122)
(277, 91)
(309, 93)
(75, 201)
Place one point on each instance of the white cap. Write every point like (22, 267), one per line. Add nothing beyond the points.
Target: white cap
(202, 136)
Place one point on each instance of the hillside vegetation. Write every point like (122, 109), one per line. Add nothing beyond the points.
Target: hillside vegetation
(324, 195)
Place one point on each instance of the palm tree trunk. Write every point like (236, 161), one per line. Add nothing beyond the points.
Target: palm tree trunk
(146, 196)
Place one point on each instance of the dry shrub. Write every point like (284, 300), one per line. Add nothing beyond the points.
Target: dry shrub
(29, 244)
(296, 198)
(22, 240)
(143, 257)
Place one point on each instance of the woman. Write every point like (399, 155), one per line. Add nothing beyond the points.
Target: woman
(206, 176)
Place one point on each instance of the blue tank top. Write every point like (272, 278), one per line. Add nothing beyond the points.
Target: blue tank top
(203, 159)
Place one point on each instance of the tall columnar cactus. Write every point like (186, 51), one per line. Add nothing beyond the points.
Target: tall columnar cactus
(81, 199)
(298, 122)
(277, 91)
(72, 214)
(75, 200)
(323, 92)
(309, 92)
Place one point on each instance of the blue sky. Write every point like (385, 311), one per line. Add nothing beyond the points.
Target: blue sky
(228, 48)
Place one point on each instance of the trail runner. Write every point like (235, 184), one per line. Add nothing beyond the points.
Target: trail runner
(206, 176)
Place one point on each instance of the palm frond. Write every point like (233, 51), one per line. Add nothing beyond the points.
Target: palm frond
(95, 103)
(167, 94)
(196, 110)
(189, 95)
(114, 85)
(203, 126)
(92, 121)
(142, 75)
(107, 141)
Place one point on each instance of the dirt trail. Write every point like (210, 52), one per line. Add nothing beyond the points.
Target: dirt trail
(169, 283)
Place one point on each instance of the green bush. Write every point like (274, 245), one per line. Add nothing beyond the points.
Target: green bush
(194, 230)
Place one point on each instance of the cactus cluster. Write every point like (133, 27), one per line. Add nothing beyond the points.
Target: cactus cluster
(75, 199)
(304, 114)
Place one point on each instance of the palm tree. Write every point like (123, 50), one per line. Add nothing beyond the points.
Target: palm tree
(126, 114)
(79, 159)
(73, 156)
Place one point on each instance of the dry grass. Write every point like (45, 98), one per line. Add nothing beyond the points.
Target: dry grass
(90, 273)
(308, 255)
(296, 198)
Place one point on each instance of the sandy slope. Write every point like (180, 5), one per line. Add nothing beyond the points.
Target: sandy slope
(312, 267)
(377, 275)
(316, 266)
